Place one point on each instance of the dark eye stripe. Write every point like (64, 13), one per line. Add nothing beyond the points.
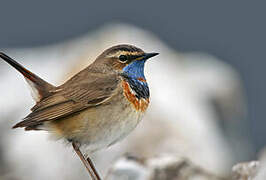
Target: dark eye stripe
(132, 57)
(124, 58)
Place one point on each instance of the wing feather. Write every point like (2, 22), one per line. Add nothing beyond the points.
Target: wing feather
(71, 98)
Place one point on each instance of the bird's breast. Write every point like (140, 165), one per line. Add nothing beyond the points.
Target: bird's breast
(137, 94)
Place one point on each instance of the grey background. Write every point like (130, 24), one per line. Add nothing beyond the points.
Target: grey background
(231, 30)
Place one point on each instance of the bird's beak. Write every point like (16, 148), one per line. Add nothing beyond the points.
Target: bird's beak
(149, 55)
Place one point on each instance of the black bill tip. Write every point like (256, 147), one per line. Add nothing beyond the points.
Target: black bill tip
(149, 55)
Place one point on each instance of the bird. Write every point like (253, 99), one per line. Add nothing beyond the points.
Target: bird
(97, 107)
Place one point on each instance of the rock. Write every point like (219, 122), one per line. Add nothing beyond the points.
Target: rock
(165, 167)
(246, 170)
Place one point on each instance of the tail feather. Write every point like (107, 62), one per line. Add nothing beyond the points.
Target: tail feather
(40, 87)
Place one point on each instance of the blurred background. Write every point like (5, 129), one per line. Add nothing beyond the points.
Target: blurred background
(207, 87)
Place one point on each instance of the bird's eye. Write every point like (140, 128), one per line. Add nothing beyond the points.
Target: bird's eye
(123, 58)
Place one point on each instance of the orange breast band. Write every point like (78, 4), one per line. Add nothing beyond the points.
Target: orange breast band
(139, 104)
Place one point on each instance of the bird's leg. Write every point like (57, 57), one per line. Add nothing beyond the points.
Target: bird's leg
(87, 163)
(93, 168)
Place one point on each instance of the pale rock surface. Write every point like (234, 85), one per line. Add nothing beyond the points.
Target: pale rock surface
(246, 170)
(164, 167)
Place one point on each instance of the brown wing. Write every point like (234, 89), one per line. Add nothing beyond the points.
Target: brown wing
(70, 98)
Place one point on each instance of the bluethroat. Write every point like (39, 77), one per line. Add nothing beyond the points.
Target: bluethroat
(95, 108)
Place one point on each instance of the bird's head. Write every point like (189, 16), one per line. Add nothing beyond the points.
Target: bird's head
(126, 59)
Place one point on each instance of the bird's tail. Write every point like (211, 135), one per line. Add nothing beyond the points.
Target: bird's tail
(40, 88)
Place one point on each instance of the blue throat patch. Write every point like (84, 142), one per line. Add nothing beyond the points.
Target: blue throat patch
(135, 69)
(132, 73)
